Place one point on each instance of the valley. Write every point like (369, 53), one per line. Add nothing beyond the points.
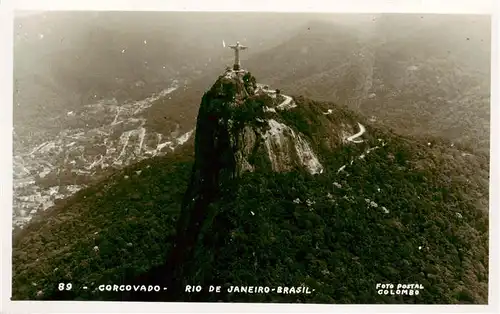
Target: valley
(104, 136)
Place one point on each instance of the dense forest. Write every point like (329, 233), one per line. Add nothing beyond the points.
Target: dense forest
(403, 209)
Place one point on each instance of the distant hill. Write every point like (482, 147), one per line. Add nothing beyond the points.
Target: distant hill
(273, 195)
(65, 60)
(424, 75)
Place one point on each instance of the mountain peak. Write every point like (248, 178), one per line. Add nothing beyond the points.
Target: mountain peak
(241, 120)
(239, 129)
(233, 86)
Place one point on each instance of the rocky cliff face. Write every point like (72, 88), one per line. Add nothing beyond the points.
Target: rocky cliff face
(237, 131)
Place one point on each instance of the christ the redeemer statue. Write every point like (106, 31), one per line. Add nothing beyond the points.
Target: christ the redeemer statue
(237, 49)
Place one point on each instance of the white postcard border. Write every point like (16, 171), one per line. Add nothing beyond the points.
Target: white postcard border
(353, 6)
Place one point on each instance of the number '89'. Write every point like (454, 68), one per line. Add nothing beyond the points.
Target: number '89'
(63, 286)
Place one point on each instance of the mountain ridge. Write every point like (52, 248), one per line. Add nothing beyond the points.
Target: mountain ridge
(378, 210)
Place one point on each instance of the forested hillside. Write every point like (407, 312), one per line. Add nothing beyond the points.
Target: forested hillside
(402, 211)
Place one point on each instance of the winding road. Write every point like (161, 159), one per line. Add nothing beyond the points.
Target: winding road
(353, 138)
(288, 103)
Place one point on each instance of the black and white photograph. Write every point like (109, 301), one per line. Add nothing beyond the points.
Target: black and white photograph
(251, 157)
